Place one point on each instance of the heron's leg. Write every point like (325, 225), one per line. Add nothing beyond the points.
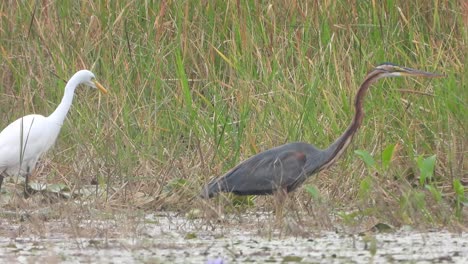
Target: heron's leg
(280, 198)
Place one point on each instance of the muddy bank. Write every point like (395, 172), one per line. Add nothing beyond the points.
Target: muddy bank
(171, 239)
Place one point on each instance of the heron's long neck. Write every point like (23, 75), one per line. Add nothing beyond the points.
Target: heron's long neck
(335, 150)
(58, 116)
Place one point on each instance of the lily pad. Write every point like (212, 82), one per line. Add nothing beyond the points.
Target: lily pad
(57, 188)
(291, 258)
(382, 227)
(38, 187)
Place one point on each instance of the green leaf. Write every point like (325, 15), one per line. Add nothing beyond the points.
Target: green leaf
(36, 186)
(291, 258)
(243, 201)
(460, 192)
(313, 191)
(387, 155)
(184, 84)
(436, 193)
(56, 188)
(426, 168)
(460, 199)
(190, 236)
(366, 157)
(383, 227)
(175, 184)
(365, 187)
(419, 198)
(458, 188)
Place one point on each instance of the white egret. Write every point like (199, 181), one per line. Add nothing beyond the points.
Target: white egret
(24, 141)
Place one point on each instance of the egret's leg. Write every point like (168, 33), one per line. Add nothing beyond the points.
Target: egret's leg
(27, 190)
(2, 175)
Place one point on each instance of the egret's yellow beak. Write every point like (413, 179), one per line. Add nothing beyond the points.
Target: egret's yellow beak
(414, 72)
(100, 87)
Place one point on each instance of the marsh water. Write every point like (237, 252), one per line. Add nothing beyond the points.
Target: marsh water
(169, 238)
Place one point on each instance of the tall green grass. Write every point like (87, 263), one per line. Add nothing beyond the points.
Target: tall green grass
(197, 86)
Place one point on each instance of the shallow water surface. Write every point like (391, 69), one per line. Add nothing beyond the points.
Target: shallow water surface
(172, 239)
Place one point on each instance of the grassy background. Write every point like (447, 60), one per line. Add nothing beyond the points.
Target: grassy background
(197, 86)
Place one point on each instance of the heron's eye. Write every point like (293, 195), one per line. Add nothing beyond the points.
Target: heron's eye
(400, 69)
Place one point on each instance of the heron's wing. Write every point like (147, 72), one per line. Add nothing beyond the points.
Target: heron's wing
(263, 173)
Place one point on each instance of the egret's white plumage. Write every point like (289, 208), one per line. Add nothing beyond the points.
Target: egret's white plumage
(24, 141)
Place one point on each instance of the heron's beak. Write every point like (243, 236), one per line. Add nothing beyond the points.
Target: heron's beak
(418, 73)
(100, 87)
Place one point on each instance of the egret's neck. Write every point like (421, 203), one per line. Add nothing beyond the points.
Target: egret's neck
(58, 116)
(335, 150)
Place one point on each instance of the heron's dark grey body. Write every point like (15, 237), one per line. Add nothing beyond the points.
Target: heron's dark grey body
(286, 167)
(283, 167)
